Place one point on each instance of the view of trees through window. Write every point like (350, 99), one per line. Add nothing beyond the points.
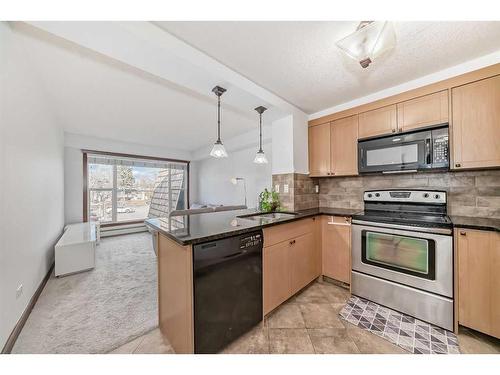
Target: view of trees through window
(120, 193)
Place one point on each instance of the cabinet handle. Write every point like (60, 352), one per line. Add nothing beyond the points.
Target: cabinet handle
(292, 242)
(462, 233)
(458, 165)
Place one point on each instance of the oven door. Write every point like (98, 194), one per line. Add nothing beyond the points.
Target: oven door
(404, 152)
(417, 259)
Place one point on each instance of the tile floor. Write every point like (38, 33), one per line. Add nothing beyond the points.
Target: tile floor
(309, 323)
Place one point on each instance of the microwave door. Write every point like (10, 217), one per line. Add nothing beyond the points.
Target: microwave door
(400, 153)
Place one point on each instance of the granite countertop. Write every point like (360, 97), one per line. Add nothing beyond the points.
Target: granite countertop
(194, 229)
(480, 223)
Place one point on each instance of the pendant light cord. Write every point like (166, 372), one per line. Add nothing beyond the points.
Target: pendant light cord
(218, 118)
(260, 132)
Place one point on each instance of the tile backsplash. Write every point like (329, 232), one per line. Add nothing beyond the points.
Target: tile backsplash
(300, 193)
(470, 193)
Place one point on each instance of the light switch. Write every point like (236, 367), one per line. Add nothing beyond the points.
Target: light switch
(316, 188)
(285, 188)
(277, 188)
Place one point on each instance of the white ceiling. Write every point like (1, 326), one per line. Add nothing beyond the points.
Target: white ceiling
(96, 96)
(299, 61)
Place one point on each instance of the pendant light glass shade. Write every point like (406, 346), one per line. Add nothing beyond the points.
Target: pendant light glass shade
(218, 151)
(369, 41)
(260, 157)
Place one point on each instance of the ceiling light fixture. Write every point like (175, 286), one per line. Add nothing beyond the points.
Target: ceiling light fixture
(260, 157)
(370, 40)
(218, 151)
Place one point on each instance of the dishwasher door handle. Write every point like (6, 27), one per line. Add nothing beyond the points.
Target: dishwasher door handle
(234, 255)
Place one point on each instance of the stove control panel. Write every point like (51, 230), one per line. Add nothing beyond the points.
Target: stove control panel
(406, 196)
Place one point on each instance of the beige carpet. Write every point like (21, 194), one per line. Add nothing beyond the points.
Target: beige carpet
(99, 310)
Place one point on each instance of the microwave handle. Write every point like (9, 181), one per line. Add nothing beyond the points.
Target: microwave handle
(428, 151)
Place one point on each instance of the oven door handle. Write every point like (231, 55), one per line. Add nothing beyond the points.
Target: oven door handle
(446, 231)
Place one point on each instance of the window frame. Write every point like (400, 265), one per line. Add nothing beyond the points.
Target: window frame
(86, 188)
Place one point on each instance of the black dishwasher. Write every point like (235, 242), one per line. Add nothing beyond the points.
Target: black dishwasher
(227, 290)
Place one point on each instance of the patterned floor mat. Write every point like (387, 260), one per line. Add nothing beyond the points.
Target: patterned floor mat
(402, 330)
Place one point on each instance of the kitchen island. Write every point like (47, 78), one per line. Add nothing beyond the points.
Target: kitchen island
(177, 238)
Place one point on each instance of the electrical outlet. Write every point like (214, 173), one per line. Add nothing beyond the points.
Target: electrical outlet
(285, 188)
(316, 188)
(19, 291)
(277, 188)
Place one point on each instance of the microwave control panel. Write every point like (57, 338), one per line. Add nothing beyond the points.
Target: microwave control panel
(440, 147)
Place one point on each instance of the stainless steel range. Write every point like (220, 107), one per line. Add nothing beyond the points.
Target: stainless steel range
(402, 253)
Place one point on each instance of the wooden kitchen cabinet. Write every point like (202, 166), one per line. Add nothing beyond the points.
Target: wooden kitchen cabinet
(379, 121)
(479, 280)
(276, 271)
(336, 247)
(319, 150)
(424, 111)
(476, 124)
(303, 261)
(290, 261)
(344, 146)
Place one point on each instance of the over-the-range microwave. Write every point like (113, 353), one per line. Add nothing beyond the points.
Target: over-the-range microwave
(405, 152)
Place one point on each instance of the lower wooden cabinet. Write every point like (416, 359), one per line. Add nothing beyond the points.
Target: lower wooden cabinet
(292, 263)
(336, 247)
(479, 280)
(276, 271)
(302, 262)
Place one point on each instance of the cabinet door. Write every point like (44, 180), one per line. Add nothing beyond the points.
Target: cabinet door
(302, 261)
(476, 124)
(424, 111)
(319, 150)
(337, 248)
(276, 271)
(344, 146)
(379, 121)
(478, 280)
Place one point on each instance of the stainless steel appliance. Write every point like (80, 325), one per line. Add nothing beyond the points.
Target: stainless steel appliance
(402, 253)
(227, 277)
(405, 152)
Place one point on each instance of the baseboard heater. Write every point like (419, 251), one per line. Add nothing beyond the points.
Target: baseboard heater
(116, 230)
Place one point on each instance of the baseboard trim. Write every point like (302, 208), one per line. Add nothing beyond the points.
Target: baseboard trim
(7, 349)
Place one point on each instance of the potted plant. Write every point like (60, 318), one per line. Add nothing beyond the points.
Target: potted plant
(269, 201)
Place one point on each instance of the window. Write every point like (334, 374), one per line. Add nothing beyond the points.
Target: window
(124, 189)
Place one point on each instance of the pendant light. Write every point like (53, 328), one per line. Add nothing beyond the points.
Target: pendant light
(218, 151)
(260, 157)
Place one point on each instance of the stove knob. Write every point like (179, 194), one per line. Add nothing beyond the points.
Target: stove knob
(436, 196)
(426, 195)
(377, 194)
(369, 195)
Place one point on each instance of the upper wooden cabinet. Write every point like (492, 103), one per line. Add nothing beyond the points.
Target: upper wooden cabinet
(379, 121)
(336, 247)
(319, 150)
(344, 146)
(423, 111)
(478, 280)
(476, 124)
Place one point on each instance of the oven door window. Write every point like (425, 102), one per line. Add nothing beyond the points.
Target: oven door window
(405, 254)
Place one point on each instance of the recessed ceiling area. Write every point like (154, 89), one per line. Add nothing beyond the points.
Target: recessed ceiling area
(299, 61)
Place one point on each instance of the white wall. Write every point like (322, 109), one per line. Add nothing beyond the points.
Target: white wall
(213, 181)
(31, 180)
(73, 166)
